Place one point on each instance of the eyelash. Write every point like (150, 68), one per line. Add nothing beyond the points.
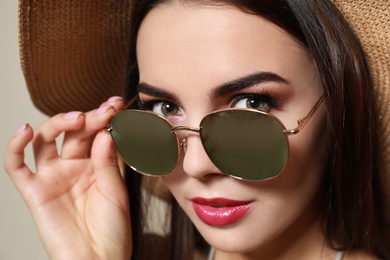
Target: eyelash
(267, 98)
(146, 105)
(150, 104)
(264, 97)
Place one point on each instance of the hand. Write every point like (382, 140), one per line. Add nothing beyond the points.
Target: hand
(77, 197)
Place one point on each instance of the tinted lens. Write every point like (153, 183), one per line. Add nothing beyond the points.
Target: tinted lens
(245, 144)
(145, 141)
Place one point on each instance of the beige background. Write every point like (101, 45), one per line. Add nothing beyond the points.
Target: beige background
(18, 236)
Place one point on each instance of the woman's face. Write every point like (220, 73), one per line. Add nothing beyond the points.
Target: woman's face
(185, 52)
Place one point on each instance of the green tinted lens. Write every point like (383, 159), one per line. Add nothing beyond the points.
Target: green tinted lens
(145, 141)
(245, 144)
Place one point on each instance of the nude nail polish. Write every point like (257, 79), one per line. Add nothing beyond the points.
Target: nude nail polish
(72, 115)
(21, 129)
(102, 109)
(114, 98)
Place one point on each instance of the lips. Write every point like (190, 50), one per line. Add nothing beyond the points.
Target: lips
(220, 211)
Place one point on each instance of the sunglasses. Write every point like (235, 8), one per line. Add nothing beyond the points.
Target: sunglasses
(242, 143)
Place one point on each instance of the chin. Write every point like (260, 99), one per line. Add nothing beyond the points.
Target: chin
(236, 238)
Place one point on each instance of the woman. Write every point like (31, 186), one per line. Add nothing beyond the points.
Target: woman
(187, 59)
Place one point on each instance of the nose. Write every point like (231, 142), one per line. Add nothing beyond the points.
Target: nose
(196, 162)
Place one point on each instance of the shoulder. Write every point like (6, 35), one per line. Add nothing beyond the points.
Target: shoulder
(359, 255)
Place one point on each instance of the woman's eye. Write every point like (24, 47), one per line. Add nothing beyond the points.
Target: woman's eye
(257, 102)
(166, 109)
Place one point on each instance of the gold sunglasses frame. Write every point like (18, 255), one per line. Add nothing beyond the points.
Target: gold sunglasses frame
(301, 124)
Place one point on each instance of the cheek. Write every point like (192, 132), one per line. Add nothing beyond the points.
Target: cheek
(307, 150)
(303, 174)
(176, 180)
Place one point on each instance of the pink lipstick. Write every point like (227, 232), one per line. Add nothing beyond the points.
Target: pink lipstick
(220, 211)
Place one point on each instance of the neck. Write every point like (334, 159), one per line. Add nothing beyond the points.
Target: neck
(302, 240)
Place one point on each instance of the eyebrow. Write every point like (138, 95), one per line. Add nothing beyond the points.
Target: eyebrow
(228, 87)
(246, 82)
(155, 92)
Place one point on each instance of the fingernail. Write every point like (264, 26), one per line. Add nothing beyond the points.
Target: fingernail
(102, 109)
(21, 129)
(72, 115)
(114, 98)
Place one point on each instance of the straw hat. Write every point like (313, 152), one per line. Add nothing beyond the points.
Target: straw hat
(74, 53)
(370, 20)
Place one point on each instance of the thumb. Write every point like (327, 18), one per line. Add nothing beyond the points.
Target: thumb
(105, 162)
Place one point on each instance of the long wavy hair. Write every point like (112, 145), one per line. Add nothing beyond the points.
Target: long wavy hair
(354, 214)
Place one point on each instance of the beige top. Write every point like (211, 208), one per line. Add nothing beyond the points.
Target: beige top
(339, 256)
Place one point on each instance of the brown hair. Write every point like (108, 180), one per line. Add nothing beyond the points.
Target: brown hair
(354, 217)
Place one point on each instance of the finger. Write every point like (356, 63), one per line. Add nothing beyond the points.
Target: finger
(14, 158)
(95, 121)
(77, 144)
(117, 102)
(44, 142)
(105, 162)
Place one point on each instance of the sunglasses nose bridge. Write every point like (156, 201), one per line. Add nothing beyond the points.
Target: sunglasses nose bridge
(183, 141)
(185, 128)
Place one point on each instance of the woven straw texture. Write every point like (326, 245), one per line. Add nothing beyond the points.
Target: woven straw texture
(370, 19)
(60, 77)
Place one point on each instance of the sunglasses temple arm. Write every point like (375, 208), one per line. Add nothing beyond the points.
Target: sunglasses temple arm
(302, 122)
(130, 102)
(127, 105)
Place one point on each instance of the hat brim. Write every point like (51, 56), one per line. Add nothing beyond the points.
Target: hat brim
(73, 53)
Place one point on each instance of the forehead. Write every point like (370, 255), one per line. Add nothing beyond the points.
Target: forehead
(218, 42)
